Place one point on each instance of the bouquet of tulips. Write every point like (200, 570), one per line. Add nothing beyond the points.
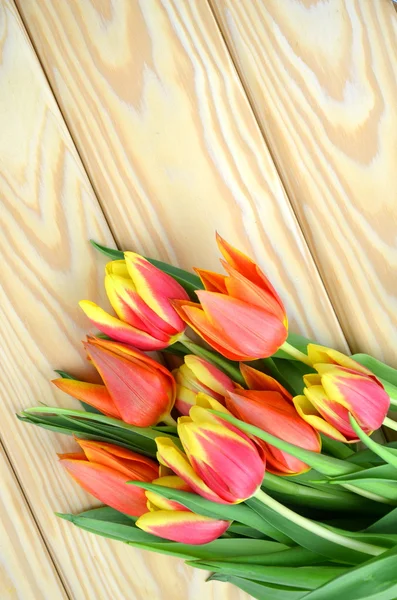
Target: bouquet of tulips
(240, 447)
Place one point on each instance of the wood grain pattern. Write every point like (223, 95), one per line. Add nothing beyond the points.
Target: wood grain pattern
(49, 212)
(160, 118)
(26, 569)
(322, 77)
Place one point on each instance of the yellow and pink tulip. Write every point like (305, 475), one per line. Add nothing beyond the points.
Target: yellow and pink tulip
(173, 521)
(198, 375)
(142, 390)
(240, 314)
(220, 462)
(104, 469)
(141, 296)
(341, 386)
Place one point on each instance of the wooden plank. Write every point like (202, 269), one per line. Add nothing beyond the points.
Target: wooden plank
(49, 212)
(26, 569)
(168, 137)
(322, 78)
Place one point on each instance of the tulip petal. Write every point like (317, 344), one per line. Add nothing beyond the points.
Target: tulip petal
(119, 330)
(309, 413)
(158, 502)
(91, 393)
(247, 267)
(108, 486)
(256, 332)
(181, 526)
(195, 317)
(210, 376)
(256, 380)
(322, 354)
(156, 288)
(133, 465)
(213, 282)
(117, 267)
(172, 457)
(185, 399)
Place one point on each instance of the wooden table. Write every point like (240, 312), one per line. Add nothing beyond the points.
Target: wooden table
(150, 124)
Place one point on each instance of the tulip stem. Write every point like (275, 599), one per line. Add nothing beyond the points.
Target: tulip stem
(316, 528)
(295, 353)
(390, 423)
(168, 420)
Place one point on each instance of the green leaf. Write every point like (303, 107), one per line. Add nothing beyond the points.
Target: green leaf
(368, 458)
(387, 524)
(227, 366)
(306, 533)
(334, 448)
(230, 512)
(373, 580)
(388, 455)
(239, 529)
(307, 578)
(293, 371)
(260, 591)
(324, 464)
(106, 513)
(320, 497)
(188, 281)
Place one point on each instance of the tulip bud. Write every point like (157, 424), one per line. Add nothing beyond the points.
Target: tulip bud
(157, 502)
(256, 380)
(104, 469)
(140, 295)
(221, 463)
(142, 390)
(341, 386)
(198, 375)
(240, 315)
(272, 413)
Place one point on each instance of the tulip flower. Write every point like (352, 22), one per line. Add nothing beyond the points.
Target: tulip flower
(198, 375)
(240, 314)
(104, 469)
(140, 295)
(142, 390)
(184, 527)
(157, 502)
(221, 463)
(341, 386)
(94, 394)
(275, 414)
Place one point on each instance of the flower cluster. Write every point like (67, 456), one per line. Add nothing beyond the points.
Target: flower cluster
(168, 444)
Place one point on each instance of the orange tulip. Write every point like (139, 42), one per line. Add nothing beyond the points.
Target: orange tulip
(198, 375)
(276, 415)
(140, 294)
(104, 469)
(94, 394)
(240, 314)
(142, 390)
(341, 386)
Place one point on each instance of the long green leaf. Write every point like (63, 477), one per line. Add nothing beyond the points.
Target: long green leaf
(307, 578)
(377, 367)
(374, 580)
(388, 455)
(324, 464)
(387, 524)
(260, 591)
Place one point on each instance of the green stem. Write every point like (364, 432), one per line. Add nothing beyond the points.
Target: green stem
(295, 353)
(316, 528)
(390, 423)
(168, 420)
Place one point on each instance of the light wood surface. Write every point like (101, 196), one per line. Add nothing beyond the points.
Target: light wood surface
(322, 78)
(26, 568)
(49, 212)
(148, 137)
(167, 135)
